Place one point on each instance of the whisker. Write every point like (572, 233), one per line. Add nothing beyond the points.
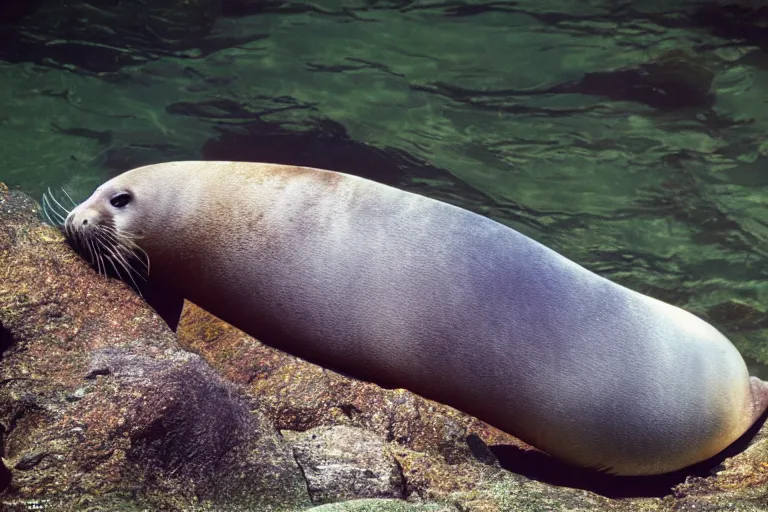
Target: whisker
(96, 259)
(144, 259)
(117, 258)
(50, 210)
(74, 204)
(46, 213)
(128, 246)
(110, 251)
(76, 238)
(117, 253)
(100, 256)
(52, 206)
(128, 266)
(103, 253)
(50, 193)
(130, 236)
(68, 229)
(114, 267)
(91, 257)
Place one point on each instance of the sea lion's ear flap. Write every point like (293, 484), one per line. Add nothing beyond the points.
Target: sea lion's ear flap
(165, 301)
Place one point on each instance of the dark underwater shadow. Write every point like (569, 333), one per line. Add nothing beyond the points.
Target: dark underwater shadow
(539, 466)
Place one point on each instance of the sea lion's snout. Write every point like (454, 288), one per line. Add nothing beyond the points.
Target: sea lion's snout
(80, 229)
(82, 223)
(79, 219)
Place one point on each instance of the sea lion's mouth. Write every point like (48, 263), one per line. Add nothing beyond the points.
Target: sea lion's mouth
(96, 238)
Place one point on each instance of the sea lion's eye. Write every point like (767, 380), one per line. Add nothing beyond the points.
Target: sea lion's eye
(120, 200)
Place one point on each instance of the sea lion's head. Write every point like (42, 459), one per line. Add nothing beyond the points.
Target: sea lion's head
(102, 229)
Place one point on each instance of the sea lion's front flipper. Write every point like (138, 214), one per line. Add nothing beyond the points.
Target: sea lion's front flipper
(166, 302)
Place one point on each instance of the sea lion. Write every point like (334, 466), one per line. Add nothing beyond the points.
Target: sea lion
(407, 291)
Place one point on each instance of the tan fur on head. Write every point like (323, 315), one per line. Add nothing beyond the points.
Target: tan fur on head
(92, 232)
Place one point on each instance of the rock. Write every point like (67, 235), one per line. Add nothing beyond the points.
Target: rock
(740, 484)
(100, 408)
(737, 314)
(735, 20)
(342, 462)
(88, 35)
(188, 428)
(374, 505)
(674, 80)
(12, 12)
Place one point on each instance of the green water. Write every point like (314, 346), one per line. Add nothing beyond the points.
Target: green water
(628, 136)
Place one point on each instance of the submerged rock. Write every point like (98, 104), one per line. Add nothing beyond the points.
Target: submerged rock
(736, 20)
(88, 35)
(674, 80)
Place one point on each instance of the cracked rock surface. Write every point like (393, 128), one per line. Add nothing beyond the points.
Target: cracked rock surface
(343, 462)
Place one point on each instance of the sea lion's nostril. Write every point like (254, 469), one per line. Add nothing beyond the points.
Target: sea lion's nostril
(85, 222)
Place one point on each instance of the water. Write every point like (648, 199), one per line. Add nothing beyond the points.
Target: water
(629, 137)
